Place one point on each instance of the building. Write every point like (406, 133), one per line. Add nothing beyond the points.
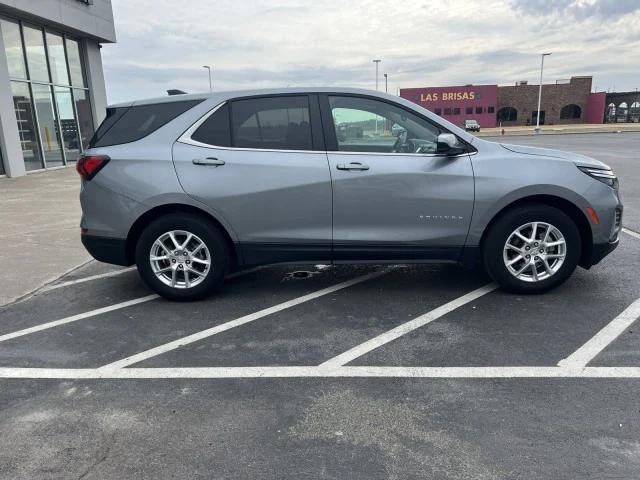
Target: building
(52, 91)
(563, 102)
(622, 107)
(458, 104)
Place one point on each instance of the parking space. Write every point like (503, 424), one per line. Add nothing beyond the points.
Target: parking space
(322, 318)
(370, 372)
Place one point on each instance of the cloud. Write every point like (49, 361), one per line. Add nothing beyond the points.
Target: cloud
(163, 44)
(579, 9)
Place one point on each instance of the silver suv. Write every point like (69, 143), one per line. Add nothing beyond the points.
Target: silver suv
(193, 187)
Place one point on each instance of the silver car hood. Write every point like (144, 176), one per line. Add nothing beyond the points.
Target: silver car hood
(547, 152)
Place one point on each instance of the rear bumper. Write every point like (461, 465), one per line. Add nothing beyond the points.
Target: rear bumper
(107, 249)
(601, 250)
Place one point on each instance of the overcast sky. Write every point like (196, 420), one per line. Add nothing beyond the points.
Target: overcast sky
(163, 44)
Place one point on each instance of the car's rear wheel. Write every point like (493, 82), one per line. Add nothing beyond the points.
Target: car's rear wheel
(532, 249)
(182, 257)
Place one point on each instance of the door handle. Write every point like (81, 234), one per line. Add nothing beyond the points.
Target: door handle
(357, 166)
(208, 161)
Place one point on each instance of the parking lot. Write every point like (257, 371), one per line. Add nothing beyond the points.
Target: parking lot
(334, 372)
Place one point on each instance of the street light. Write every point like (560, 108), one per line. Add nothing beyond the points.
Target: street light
(386, 83)
(210, 85)
(537, 130)
(377, 62)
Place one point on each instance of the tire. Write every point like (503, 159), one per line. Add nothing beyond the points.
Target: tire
(156, 239)
(496, 254)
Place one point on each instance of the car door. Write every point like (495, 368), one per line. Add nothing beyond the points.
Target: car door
(394, 197)
(259, 163)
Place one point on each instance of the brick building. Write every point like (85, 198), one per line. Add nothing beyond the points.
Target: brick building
(563, 102)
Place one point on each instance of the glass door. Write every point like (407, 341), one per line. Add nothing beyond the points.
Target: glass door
(48, 125)
(68, 123)
(27, 130)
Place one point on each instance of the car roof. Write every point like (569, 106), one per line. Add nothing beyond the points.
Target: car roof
(224, 95)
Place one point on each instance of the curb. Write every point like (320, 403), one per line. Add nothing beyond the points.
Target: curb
(47, 282)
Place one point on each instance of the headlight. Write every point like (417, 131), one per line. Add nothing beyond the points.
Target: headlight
(604, 175)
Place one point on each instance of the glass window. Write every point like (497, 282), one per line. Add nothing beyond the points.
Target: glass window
(456, 111)
(1, 162)
(215, 129)
(75, 64)
(478, 110)
(36, 57)
(280, 123)
(85, 119)
(128, 124)
(48, 125)
(491, 109)
(507, 114)
(438, 111)
(13, 49)
(368, 125)
(68, 124)
(26, 125)
(469, 110)
(57, 59)
(447, 111)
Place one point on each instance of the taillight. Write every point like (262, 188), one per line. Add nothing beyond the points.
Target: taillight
(89, 165)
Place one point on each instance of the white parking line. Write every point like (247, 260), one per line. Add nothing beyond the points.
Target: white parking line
(407, 327)
(125, 270)
(125, 362)
(75, 318)
(86, 279)
(631, 232)
(587, 352)
(327, 372)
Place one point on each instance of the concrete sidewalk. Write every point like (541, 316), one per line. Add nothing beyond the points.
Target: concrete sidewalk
(561, 129)
(40, 231)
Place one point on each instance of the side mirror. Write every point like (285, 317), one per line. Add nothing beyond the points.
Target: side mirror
(448, 144)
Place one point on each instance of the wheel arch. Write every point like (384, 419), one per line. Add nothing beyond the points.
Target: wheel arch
(156, 212)
(562, 204)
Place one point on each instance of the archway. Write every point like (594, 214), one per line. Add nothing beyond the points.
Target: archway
(571, 111)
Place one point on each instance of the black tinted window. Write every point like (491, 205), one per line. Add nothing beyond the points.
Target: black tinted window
(128, 124)
(215, 129)
(113, 115)
(280, 123)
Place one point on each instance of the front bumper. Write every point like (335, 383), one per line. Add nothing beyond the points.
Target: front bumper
(601, 250)
(107, 249)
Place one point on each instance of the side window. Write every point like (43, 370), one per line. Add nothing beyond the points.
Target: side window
(367, 125)
(215, 129)
(129, 124)
(276, 123)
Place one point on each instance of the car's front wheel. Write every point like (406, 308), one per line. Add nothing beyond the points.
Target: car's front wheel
(182, 257)
(532, 249)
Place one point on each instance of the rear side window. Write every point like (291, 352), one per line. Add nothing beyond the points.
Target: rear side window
(128, 124)
(215, 129)
(276, 123)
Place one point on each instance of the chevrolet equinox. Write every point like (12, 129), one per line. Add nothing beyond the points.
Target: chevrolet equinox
(192, 187)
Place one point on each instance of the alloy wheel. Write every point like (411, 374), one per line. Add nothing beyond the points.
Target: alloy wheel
(534, 251)
(180, 259)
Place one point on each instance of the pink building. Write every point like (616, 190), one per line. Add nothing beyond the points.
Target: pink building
(457, 104)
